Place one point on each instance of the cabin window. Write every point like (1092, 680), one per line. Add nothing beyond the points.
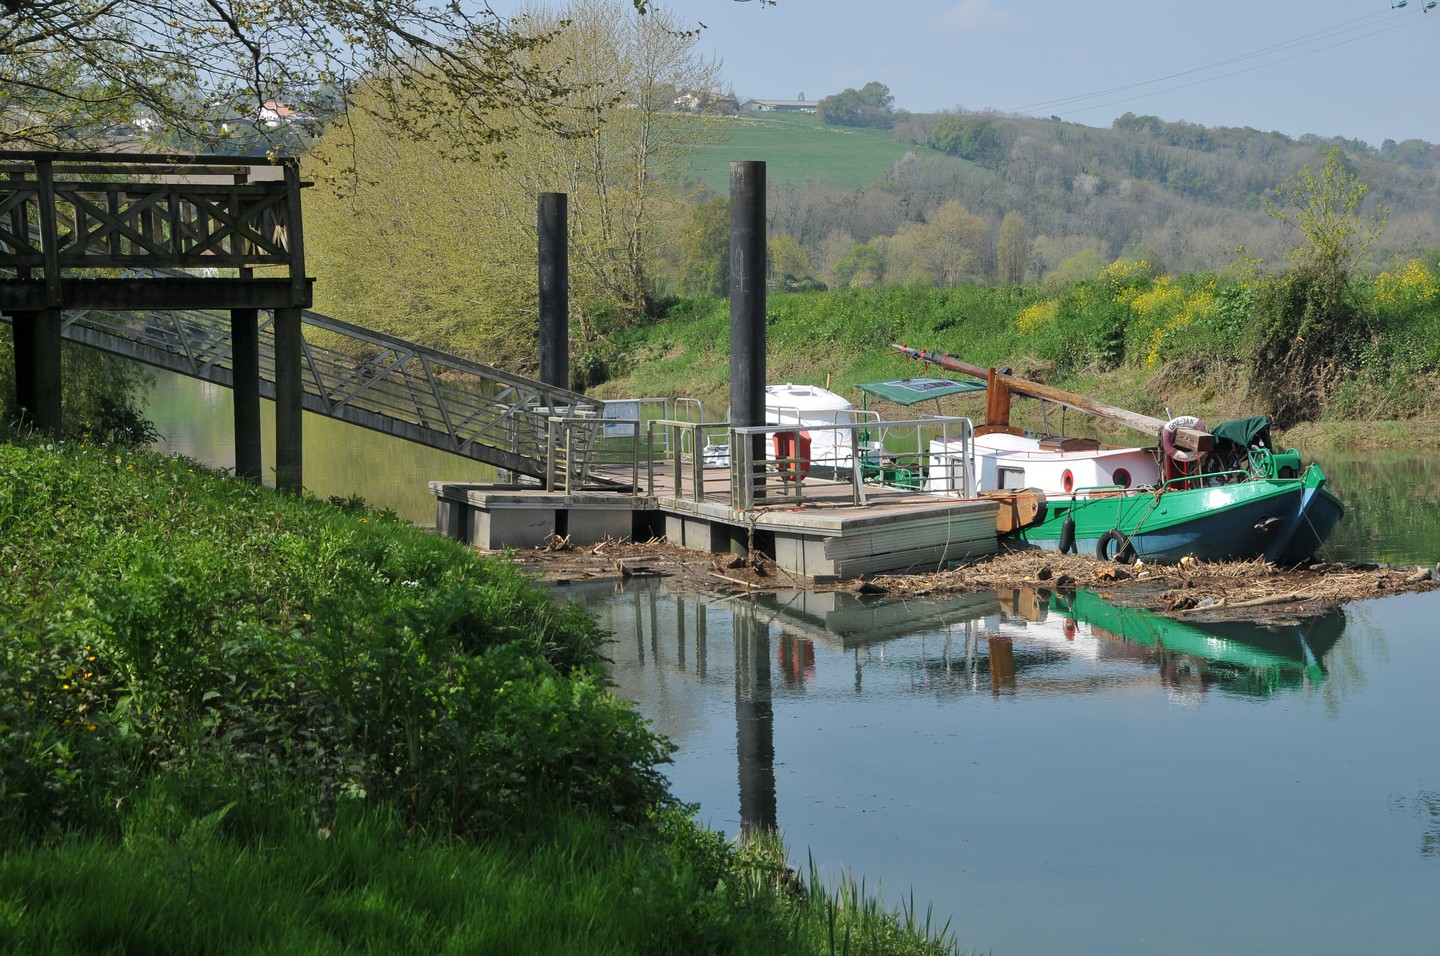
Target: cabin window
(1012, 477)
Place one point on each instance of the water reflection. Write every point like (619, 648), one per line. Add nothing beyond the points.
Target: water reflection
(979, 634)
(754, 723)
(687, 655)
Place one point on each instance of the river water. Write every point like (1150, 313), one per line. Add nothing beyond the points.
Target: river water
(1050, 774)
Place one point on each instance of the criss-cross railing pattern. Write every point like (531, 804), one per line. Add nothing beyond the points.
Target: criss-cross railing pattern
(100, 224)
(359, 376)
(145, 256)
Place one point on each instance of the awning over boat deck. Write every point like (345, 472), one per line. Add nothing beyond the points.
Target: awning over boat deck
(908, 391)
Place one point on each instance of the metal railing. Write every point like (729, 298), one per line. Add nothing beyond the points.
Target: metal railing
(362, 377)
(671, 443)
(759, 464)
(856, 456)
(750, 476)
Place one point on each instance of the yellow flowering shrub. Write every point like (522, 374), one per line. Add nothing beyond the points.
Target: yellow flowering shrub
(1410, 284)
(1161, 299)
(1037, 315)
(1124, 271)
(1191, 308)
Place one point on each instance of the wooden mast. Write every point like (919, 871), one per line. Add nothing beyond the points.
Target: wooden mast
(1001, 385)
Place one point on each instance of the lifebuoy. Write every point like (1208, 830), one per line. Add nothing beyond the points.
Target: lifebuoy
(793, 456)
(1124, 550)
(1167, 438)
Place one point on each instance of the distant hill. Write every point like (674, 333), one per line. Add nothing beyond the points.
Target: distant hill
(1184, 195)
(798, 150)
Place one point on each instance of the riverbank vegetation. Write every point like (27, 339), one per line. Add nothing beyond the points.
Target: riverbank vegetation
(1189, 344)
(236, 720)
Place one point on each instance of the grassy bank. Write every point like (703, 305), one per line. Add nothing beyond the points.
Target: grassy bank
(233, 720)
(1144, 343)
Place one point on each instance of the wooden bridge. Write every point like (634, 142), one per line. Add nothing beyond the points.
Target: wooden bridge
(154, 258)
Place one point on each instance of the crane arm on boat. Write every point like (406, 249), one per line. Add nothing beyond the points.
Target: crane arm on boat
(1002, 384)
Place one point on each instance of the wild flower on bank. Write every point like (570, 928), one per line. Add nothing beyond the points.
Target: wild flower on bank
(1125, 278)
(1192, 307)
(1037, 315)
(1410, 284)
(1162, 298)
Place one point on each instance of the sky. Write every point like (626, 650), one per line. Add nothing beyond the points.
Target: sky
(1360, 69)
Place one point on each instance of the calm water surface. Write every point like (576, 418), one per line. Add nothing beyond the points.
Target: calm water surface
(1051, 779)
(196, 420)
(1053, 775)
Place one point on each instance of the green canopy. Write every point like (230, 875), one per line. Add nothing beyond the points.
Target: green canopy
(908, 391)
(1244, 432)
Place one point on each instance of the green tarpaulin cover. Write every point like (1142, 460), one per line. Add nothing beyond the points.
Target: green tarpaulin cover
(908, 391)
(1244, 432)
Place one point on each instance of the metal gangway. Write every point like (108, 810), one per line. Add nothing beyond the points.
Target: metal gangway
(155, 258)
(362, 377)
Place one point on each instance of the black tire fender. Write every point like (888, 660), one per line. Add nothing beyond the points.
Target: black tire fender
(1067, 535)
(1124, 552)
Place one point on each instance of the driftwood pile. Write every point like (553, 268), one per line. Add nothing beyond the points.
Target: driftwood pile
(1191, 590)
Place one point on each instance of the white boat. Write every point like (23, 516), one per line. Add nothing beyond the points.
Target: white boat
(1056, 466)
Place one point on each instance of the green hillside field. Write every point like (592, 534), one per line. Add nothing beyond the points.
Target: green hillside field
(796, 149)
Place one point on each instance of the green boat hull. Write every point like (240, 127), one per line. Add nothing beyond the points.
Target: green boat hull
(1283, 520)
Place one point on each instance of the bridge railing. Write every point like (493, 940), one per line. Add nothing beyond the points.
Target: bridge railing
(363, 377)
(69, 220)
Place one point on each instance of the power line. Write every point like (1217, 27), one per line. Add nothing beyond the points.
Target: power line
(1343, 33)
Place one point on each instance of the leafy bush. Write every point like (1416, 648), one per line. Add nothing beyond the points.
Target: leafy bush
(103, 395)
(161, 621)
(1309, 329)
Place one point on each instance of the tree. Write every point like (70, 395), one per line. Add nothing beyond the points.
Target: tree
(972, 138)
(862, 266)
(705, 249)
(870, 106)
(70, 69)
(1085, 264)
(949, 248)
(1309, 328)
(73, 70)
(788, 263)
(1012, 250)
(449, 242)
(1325, 209)
(627, 141)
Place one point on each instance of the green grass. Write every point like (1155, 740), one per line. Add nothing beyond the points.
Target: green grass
(843, 337)
(798, 149)
(237, 721)
(569, 884)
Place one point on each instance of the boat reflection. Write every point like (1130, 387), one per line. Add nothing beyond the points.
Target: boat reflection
(1239, 656)
(692, 657)
(1010, 639)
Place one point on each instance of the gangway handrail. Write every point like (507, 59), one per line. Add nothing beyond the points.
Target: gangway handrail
(673, 432)
(408, 390)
